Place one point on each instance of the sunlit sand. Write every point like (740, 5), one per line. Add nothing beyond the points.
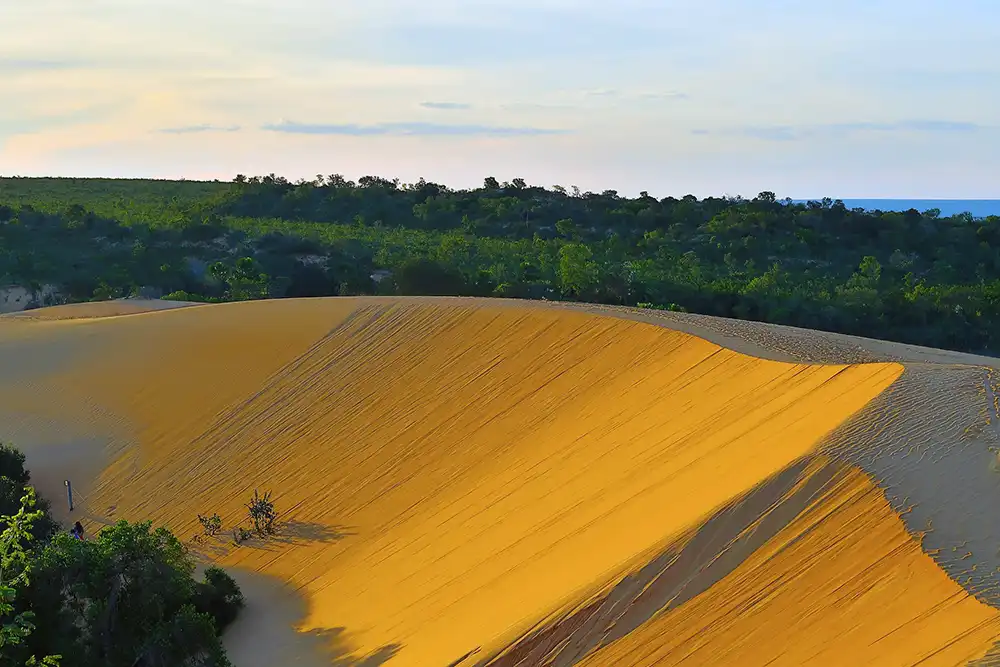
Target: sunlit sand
(488, 480)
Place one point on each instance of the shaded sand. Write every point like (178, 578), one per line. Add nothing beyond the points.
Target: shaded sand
(812, 568)
(843, 583)
(264, 632)
(451, 475)
(71, 391)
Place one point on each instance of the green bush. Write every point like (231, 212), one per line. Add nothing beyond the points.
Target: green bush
(181, 295)
(218, 596)
(17, 623)
(262, 513)
(210, 524)
(188, 639)
(241, 535)
(13, 479)
(12, 465)
(43, 527)
(127, 598)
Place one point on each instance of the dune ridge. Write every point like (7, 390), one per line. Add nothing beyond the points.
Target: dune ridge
(461, 477)
(114, 308)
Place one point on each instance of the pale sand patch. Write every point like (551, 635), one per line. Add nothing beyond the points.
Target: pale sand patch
(56, 375)
(264, 633)
(95, 309)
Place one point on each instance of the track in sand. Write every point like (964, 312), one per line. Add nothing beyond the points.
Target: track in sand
(490, 482)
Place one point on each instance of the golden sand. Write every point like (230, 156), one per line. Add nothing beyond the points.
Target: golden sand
(450, 475)
(842, 584)
(96, 309)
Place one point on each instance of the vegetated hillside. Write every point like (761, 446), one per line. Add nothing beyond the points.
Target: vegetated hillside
(912, 277)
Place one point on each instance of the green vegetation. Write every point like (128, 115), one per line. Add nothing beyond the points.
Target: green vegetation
(211, 524)
(15, 574)
(125, 599)
(912, 277)
(261, 516)
(262, 513)
(14, 478)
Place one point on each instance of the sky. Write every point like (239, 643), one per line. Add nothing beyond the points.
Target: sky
(805, 98)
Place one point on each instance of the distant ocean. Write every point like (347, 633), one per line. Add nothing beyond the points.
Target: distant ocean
(979, 208)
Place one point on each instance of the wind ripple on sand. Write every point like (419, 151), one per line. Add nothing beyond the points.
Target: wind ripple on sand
(843, 583)
(454, 474)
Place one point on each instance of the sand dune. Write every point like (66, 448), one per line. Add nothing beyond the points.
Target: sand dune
(492, 482)
(843, 583)
(114, 308)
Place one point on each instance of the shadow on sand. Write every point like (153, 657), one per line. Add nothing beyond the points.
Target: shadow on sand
(264, 634)
(289, 534)
(297, 532)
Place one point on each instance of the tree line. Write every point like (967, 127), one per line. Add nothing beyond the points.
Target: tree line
(910, 276)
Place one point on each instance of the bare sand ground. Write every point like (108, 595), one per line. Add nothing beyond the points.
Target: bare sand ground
(95, 309)
(483, 477)
(811, 594)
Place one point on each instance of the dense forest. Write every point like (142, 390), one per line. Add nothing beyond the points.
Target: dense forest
(912, 276)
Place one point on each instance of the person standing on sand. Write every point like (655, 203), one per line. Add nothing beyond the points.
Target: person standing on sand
(77, 530)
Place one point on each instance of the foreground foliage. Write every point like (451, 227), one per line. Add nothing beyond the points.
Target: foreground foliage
(125, 599)
(913, 276)
(14, 478)
(16, 626)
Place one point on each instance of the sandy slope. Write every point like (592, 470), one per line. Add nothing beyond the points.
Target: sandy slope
(462, 476)
(821, 591)
(97, 309)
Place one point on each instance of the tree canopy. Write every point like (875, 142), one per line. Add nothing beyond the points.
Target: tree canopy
(125, 599)
(908, 276)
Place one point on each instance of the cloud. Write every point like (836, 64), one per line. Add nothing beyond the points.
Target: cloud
(585, 100)
(796, 132)
(908, 125)
(407, 129)
(535, 106)
(27, 65)
(664, 95)
(37, 122)
(483, 34)
(445, 105)
(192, 129)
(770, 133)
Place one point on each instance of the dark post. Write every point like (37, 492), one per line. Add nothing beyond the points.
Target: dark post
(69, 494)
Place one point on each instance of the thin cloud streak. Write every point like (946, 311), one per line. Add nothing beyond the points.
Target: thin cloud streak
(536, 106)
(446, 106)
(194, 129)
(796, 132)
(666, 95)
(39, 65)
(39, 122)
(407, 129)
(909, 125)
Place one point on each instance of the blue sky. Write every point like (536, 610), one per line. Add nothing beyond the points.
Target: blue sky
(881, 98)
